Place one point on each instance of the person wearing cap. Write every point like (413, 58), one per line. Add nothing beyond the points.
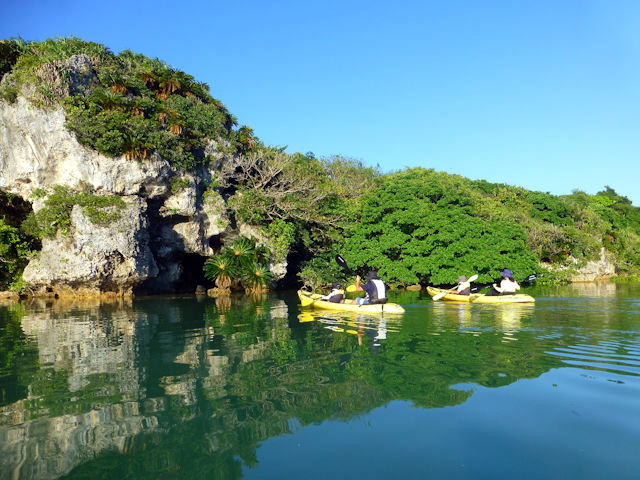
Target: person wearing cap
(336, 295)
(508, 286)
(375, 290)
(464, 286)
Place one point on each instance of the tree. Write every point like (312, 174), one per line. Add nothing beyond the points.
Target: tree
(416, 228)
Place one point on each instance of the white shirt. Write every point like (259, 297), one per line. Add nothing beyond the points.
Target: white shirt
(507, 286)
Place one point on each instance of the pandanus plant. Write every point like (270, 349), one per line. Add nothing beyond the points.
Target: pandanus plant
(149, 77)
(220, 270)
(176, 126)
(108, 100)
(243, 261)
(256, 278)
(135, 147)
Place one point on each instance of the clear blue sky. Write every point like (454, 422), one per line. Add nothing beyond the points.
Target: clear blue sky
(543, 94)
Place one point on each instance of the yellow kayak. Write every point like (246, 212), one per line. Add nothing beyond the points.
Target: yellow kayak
(481, 297)
(309, 299)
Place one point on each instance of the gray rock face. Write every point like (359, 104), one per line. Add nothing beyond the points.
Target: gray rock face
(81, 75)
(600, 269)
(36, 151)
(96, 259)
(277, 269)
(158, 228)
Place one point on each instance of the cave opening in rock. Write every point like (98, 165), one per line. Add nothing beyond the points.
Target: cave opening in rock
(297, 255)
(215, 242)
(180, 273)
(192, 274)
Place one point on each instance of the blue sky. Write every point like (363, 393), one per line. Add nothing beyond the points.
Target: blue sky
(544, 94)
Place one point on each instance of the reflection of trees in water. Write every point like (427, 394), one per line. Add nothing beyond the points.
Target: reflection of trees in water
(18, 355)
(184, 388)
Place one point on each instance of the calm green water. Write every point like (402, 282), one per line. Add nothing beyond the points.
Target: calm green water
(185, 388)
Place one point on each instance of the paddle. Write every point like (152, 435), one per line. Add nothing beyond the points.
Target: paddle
(343, 263)
(524, 281)
(438, 296)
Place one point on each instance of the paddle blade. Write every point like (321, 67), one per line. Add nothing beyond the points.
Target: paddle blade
(438, 296)
(351, 288)
(473, 278)
(343, 263)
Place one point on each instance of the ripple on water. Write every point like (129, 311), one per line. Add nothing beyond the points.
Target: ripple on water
(616, 356)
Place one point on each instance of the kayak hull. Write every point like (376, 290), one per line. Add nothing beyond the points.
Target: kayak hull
(481, 298)
(313, 300)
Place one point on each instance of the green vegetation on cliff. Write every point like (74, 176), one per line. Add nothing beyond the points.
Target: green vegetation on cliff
(125, 104)
(55, 215)
(16, 245)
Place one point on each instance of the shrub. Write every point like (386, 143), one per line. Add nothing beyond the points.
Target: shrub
(178, 184)
(55, 216)
(14, 255)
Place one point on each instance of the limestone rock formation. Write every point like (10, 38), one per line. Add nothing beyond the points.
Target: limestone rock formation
(170, 217)
(599, 269)
(96, 259)
(594, 270)
(36, 151)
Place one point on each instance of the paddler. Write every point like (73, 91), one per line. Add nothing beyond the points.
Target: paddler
(375, 290)
(508, 286)
(336, 295)
(464, 286)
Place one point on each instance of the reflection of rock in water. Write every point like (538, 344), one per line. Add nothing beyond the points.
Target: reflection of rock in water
(87, 344)
(279, 309)
(593, 289)
(88, 352)
(94, 377)
(51, 447)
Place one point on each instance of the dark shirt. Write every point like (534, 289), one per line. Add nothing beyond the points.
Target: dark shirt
(371, 290)
(336, 298)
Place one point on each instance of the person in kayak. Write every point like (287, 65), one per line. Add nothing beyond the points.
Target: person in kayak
(375, 290)
(508, 286)
(336, 295)
(464, 286)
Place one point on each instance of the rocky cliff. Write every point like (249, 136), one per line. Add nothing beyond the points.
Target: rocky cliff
(171, 222)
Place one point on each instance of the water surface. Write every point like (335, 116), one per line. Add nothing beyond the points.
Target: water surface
(258, 388)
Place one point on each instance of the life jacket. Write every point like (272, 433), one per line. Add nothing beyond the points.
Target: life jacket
(379, 294)
(336, 296)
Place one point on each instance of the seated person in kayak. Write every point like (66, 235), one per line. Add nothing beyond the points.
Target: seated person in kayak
(464, 286)
(375, 289)
(508, 286)
(336, 295)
